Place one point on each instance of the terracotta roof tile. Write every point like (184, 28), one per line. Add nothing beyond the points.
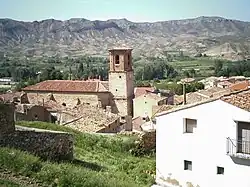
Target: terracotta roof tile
(239, 99)
(66, 86)
(138, 91)
(240, 86)
(137, 122)
(10, 97)
(91, 118)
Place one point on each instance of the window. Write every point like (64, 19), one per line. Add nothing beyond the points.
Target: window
(187, 165)
(115, 89)
(63, 104)
(117, 60)
(120, 76)
(220, 170)
(128, 60)
(189, 125)
(145, 102)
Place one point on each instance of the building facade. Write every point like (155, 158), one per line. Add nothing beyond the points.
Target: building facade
(117, 92)
(205, 144)
(121, 78)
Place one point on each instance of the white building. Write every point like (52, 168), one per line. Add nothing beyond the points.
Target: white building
(205, 144)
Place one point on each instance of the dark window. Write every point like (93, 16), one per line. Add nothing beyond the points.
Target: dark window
(36, 117)
(115, 89)
(189, 125)
(187, 165)
(120, 76)
(117, 59)
(64, 104)
(220, 170)
(128, 60)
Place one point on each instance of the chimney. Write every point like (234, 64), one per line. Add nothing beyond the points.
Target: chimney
(184, 94)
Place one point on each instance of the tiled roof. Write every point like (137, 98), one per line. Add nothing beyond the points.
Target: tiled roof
(10, 97)
(138, 91)
(153, 96)
(91, 118)
(162, 108)
(239, 99)
(68, 86)
(211, 92)
(240, 86)
(137, 122)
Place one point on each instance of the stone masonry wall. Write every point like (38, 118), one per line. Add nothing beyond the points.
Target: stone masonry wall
(47, 145)
(71, 99)
(7, 124)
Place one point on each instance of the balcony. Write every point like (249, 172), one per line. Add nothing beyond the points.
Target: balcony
(238, 148)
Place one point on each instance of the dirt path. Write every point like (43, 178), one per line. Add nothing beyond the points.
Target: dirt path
(21, 180)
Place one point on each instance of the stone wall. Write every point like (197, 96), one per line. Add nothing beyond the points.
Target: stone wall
(7, 124)
(71, 99)
(46, 144)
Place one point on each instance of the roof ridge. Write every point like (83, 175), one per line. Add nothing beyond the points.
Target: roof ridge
(235, 92)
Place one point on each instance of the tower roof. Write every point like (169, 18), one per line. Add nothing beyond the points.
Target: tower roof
(121, 49)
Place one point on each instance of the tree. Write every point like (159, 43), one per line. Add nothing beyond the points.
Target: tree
(218, 65)
(192, 72)
(186, 73)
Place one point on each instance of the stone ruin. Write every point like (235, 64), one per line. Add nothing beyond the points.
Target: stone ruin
(48, 145)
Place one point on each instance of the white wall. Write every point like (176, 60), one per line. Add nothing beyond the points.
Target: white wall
(206, 147)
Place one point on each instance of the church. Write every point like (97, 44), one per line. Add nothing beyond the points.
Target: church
(117, 93)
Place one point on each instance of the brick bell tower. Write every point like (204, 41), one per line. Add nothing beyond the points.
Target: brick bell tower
(121, 80)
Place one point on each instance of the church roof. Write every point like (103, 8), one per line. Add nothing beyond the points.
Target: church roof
(69, 86)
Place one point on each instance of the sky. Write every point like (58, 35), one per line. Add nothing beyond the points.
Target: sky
(133, 10)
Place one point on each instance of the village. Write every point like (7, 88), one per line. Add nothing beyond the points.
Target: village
(207, 131)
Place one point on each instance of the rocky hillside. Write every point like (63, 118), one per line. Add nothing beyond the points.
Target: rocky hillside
(211, 35)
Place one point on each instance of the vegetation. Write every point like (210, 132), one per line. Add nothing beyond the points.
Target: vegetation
(8, 183)
(28, 71)
(100, 161)
(241, 68)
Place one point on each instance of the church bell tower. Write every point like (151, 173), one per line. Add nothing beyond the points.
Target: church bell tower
(121, 80)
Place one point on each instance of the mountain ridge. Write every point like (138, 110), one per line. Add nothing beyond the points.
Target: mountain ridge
(78, 36)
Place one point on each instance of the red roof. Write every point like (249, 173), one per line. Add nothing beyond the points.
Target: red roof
(142, 90)
(68, 86)
(240, 86)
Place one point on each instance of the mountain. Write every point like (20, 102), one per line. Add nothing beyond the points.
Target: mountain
(78, 36)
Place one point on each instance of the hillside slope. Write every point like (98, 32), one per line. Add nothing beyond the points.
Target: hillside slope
(79, 36)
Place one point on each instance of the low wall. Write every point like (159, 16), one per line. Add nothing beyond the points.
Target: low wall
(47, 145)
(7, 124)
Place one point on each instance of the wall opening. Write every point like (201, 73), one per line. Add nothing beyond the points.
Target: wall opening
(189, 125)
(187, 165)
(220, 170)
(63, 104)
(117, 59)
(128, 60)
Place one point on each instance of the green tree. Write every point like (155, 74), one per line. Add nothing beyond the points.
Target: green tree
(218, 65)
